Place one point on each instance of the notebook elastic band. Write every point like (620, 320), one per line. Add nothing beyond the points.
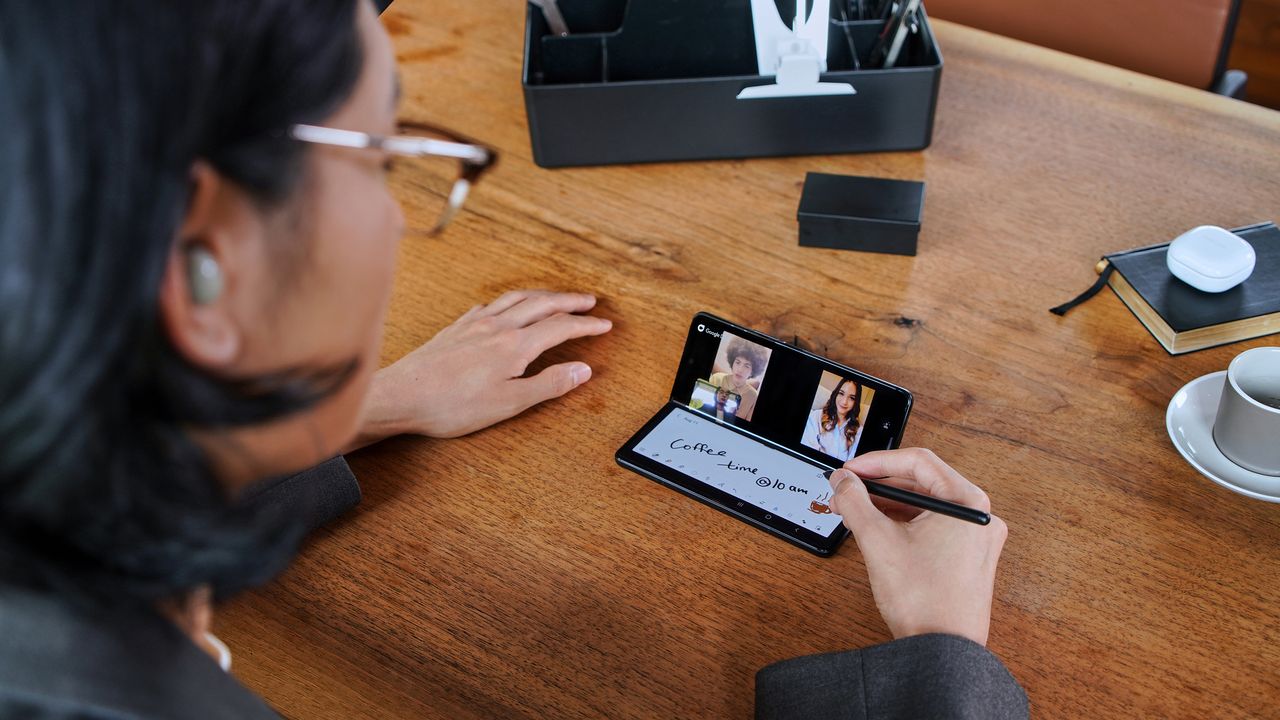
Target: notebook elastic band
(1103, 277)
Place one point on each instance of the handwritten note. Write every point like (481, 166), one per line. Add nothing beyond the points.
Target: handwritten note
(749, 470)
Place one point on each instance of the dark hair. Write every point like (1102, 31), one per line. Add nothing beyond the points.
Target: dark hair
(749, 351)
(106, 105)
(831, 416)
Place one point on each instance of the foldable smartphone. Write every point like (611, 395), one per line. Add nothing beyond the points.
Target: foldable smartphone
(753, 423)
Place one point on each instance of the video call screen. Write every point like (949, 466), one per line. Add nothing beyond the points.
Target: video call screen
(752, 423)
(768, 389)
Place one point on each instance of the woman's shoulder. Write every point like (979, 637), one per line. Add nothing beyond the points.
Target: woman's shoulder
(59, 655)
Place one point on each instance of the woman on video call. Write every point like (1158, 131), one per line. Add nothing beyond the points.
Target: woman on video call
(834, 428)
(197, 246)
(746, 363)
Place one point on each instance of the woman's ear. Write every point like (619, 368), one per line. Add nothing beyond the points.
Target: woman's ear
(200, 275)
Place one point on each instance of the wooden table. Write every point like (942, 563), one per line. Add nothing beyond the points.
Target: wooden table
(519, 573)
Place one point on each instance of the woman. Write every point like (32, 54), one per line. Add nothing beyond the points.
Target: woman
(196, 253)
(746, 362)
(834, 428)
(191, 300)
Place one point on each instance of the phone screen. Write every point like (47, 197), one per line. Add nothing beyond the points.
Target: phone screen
(749, 470)
(752, 424)
(787, 396)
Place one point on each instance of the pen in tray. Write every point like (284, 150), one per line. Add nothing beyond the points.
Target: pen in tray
(924, 502)
(555, 20)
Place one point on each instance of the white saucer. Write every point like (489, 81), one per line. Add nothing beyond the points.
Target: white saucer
(1190, 422)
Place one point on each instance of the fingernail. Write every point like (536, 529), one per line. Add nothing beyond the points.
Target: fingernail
(835, 477)
(581, 374)
(608, 324)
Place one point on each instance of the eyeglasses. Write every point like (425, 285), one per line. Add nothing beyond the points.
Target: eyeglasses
(449, 165)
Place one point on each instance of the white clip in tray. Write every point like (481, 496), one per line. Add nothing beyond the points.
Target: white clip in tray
(795, 56)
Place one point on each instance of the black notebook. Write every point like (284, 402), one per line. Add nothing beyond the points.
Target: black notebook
(1183, 318)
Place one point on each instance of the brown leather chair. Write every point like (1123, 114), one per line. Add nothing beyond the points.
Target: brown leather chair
(1185, 41)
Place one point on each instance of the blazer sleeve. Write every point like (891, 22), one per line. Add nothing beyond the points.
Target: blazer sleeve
(318, 495)
(933, 676)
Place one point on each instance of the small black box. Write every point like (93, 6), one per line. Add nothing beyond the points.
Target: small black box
(847, 212)
(657, 80)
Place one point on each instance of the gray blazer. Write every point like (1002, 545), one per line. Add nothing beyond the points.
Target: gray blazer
(57, 661)
(60, 661)
(926, 676)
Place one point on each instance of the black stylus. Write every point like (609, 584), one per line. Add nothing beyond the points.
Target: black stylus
(924, 502)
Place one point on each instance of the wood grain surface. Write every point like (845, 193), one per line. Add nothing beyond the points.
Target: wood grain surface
(519, 573)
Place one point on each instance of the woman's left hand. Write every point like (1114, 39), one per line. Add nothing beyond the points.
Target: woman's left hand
(470, 375)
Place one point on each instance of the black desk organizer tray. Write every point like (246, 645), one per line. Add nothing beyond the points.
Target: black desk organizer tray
(656, 80)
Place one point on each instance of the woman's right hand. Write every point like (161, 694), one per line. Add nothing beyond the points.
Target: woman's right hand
(929, 573)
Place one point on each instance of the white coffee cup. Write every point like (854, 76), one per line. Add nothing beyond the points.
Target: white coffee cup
(1247, 429)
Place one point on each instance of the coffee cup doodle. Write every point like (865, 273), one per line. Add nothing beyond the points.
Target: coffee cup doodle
(819, 505)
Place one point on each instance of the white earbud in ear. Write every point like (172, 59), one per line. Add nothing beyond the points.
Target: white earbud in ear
(204, 274)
